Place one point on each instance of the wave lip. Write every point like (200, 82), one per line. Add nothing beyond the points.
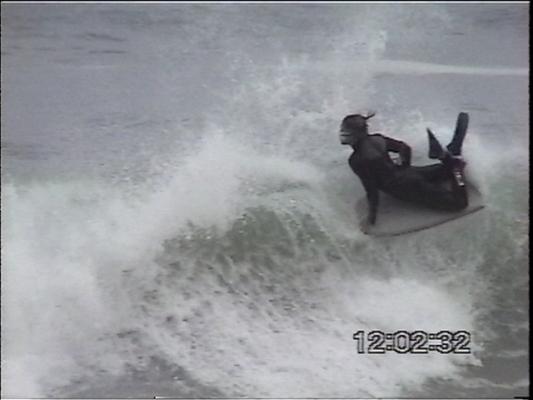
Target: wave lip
(422, 68)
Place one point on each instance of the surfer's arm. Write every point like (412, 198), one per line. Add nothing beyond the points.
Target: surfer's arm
(364, 171)
(372, 195)
(400, 147)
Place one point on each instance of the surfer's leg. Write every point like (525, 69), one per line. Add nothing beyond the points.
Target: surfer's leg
(433, 186)
(433, 173)
(439, 197)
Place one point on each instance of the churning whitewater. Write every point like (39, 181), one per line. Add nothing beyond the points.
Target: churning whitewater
(178, 215)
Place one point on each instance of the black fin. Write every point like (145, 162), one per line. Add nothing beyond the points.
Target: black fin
(435, 148)
(456, 145)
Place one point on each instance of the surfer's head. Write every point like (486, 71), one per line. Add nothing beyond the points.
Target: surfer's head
(353, 128)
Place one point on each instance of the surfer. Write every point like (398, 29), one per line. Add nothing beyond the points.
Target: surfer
(439, 186)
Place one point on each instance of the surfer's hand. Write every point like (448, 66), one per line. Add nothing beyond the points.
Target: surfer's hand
(366, 223)
(371, 219)
(364, 226)
(403, 166)
(405, 163)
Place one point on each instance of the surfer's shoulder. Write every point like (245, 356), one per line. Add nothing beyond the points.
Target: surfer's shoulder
(378, 136)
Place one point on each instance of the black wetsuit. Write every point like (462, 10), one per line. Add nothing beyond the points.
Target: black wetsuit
(423, 185)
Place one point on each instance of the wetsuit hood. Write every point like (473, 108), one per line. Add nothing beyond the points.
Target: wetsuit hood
(354, 128)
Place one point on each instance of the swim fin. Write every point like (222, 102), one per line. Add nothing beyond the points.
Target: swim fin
(435, 148)
(456, 145)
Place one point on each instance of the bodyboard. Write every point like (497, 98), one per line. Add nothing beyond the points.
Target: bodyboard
(396, 217)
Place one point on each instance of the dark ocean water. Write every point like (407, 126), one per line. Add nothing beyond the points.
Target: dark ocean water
(177, 212)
